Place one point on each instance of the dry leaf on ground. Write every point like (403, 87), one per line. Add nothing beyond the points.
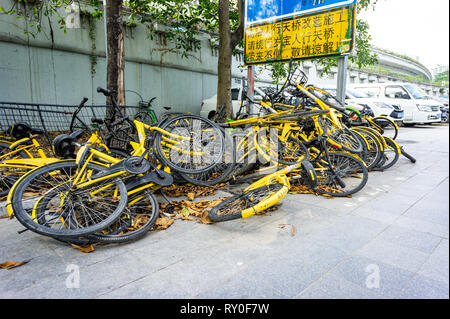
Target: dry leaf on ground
(84, 249)
(293, 230)
(13, 264)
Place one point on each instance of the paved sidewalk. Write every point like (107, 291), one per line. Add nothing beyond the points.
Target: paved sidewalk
(389, 241)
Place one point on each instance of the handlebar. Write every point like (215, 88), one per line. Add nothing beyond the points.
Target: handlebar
(105, 91)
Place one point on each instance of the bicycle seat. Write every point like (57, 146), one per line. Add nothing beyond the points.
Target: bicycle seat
(167, 108)
(20, 130)
(63, 145)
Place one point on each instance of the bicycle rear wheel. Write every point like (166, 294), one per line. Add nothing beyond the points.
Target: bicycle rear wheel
(255, 200)
(190, 144)
(374, 151)
(391, 154)
(343, 137)
(385, 126)
(45, 201)
(348, 174)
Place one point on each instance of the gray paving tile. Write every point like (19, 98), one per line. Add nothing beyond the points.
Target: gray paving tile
(335, 287)
(395, 255)
(242, 286)
(424, 242)
(349, 233)
(376, 276)
(308, 263)
(424, 288)
(423, 226)
(437, 265)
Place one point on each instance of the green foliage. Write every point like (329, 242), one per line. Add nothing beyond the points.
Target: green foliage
(442, 78)
(34, 11)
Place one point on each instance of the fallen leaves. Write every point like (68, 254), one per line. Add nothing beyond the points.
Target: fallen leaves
(163, 223)
(303, 189)
(293, 230)
(13, 264)
(190, 191)
(84, 249)
(194, 211)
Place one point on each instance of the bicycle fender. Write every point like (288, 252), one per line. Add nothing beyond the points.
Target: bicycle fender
(310, 176)
(151, 177)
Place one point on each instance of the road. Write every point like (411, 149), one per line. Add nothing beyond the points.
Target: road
(391, 240)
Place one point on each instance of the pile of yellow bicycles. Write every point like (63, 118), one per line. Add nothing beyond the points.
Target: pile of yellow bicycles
(88, 191)
(312, 139)
(96, 194)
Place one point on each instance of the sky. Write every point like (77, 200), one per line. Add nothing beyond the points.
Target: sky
(417, 28)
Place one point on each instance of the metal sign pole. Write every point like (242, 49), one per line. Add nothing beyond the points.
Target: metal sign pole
(342, 78)
(251, 88)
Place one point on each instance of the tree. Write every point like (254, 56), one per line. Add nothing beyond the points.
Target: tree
(116, 63)
(36, 11)
(228, 40)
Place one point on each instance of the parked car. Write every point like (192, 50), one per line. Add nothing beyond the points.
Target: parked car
(378, 107)
(208, 106)
(407, 97)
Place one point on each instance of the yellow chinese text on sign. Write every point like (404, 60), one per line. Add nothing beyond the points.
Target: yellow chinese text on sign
(321, 34)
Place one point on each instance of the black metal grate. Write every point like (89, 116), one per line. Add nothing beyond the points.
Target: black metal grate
(51, 118)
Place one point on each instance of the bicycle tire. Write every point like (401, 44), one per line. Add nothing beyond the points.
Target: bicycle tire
(374, 153)
(390, 159)
(384, 123)
(225, 210)
(122, 230)
(195, 131)
(343, 137)
(328, 183)
(41, 225)
(285, 152)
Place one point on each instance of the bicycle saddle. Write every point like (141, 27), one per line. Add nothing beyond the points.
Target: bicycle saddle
(64, 144)
(21, 130)
(167, 108)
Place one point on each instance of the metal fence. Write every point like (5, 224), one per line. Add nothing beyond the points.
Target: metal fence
(51, 118)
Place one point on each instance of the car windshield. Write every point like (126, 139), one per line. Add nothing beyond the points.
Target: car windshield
(416, 92)
(357, 94)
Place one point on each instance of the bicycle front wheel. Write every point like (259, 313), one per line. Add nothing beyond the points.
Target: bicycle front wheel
(189, 144)
(47, 202)
(340, 174)
(253, 201)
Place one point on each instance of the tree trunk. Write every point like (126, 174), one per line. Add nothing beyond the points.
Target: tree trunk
(115, 63)
(227, 42)
(225, 55)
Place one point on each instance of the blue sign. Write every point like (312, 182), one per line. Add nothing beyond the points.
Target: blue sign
(266, 10)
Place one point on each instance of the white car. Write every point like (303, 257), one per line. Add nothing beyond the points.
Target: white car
(406, 96)
(208, 106)
(358, 100)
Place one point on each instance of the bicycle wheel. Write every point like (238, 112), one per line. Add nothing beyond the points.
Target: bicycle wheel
(385, 126)
(365, 147)
(220, 172)
(46, 201)
(137, 219)
(347, 175)
(254, 200)
(391, 154)
(190, 144)
(285, 151)
(343, 137)
(374, 151)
